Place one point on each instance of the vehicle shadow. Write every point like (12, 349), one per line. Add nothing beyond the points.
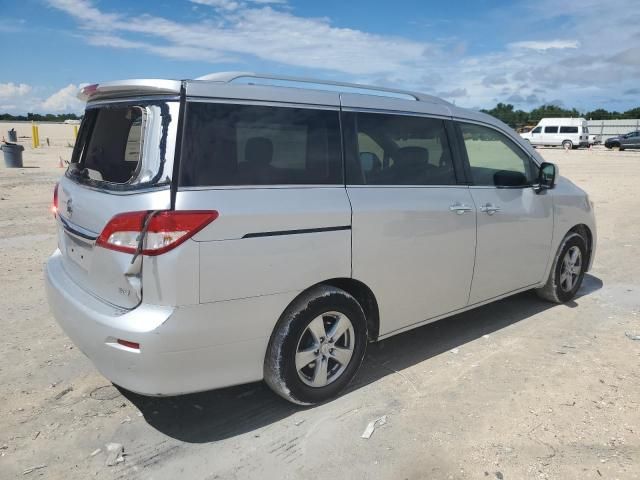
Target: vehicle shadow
(219, 414)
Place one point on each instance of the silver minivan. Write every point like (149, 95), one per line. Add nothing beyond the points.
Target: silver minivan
(242, 227)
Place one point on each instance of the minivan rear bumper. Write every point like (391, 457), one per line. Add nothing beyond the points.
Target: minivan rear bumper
(182, 349)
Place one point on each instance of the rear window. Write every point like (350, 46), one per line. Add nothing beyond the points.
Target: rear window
(125, 145)
(568, 129)
(259, 145)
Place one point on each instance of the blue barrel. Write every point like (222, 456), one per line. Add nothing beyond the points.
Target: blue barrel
(12, 155)
(13, 135)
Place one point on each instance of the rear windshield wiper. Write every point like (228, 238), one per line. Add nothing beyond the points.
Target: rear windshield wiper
(143, 234)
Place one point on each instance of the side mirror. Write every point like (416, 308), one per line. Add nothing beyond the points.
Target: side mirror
(547, 176)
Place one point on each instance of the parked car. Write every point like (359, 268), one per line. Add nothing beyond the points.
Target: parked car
(629, 140)
(567, 132)
(213, 232)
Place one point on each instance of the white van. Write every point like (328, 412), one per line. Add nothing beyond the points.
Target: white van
(213, 232)
(568, 132)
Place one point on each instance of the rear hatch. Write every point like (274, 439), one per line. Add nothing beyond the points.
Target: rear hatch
(122, 162)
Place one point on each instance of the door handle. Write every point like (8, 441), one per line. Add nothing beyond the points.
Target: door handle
(489, 208)
(459, 208)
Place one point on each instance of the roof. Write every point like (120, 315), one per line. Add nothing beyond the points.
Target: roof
(163, 86)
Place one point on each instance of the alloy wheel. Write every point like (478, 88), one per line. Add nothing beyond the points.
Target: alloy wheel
(325, 349)
(571, 268)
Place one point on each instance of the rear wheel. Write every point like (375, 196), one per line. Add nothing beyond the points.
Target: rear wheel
(567, 271)
(317, 346)
(567, 144)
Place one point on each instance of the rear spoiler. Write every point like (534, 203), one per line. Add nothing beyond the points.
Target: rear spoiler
(129, 88)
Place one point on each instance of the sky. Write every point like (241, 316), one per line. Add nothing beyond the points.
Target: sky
(475, 53)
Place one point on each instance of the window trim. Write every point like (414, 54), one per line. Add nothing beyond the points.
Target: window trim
(467, 165)
(349, 131)
(261, 103)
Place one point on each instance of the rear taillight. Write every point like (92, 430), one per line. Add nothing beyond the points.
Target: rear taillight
(54, 205)
(165, 230)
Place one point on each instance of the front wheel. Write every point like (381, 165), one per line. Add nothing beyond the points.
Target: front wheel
(317, 346)
(567, 271)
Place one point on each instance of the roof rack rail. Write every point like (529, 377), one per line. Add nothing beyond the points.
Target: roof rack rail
(229, 77)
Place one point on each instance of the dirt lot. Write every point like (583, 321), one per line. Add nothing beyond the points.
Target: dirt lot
(519, 389)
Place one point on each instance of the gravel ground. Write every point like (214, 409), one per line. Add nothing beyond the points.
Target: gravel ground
(519, 389)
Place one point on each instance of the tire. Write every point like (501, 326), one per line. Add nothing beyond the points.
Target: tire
(615, 146)
(564, 279)
(298, 338)
(567, 144)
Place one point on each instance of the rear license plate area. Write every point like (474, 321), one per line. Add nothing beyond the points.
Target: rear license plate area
(77, 252)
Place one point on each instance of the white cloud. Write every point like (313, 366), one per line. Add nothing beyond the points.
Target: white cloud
(224, 4)
(254, 31)
(546, 44)
(9, 90)
(64, 100)
(235, 4)
(580, 67)
(455, 93)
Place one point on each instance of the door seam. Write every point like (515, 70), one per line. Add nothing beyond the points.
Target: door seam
(475, 249)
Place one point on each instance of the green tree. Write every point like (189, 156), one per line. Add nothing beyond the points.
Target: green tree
(633, 113)
(507, 113)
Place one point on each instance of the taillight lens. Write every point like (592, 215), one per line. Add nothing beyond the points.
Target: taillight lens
(54, 205)
(166, 230)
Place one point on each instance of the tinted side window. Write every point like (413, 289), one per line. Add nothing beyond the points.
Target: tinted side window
(568, 129)
(550, 129)
(259, 145)
(494, 159)
(401, 150)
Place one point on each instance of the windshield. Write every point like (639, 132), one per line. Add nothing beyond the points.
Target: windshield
(125, 145)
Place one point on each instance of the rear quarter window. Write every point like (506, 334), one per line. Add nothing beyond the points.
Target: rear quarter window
(225, 144)
(124, 145)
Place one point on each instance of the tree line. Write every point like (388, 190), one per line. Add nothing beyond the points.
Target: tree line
(37, 117)
(519, 118)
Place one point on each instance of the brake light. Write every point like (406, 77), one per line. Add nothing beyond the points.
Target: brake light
(54, 205)
(165, 231)
(89, 90)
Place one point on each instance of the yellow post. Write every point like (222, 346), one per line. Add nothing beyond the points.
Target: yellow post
(35, 135)
(75, 131)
